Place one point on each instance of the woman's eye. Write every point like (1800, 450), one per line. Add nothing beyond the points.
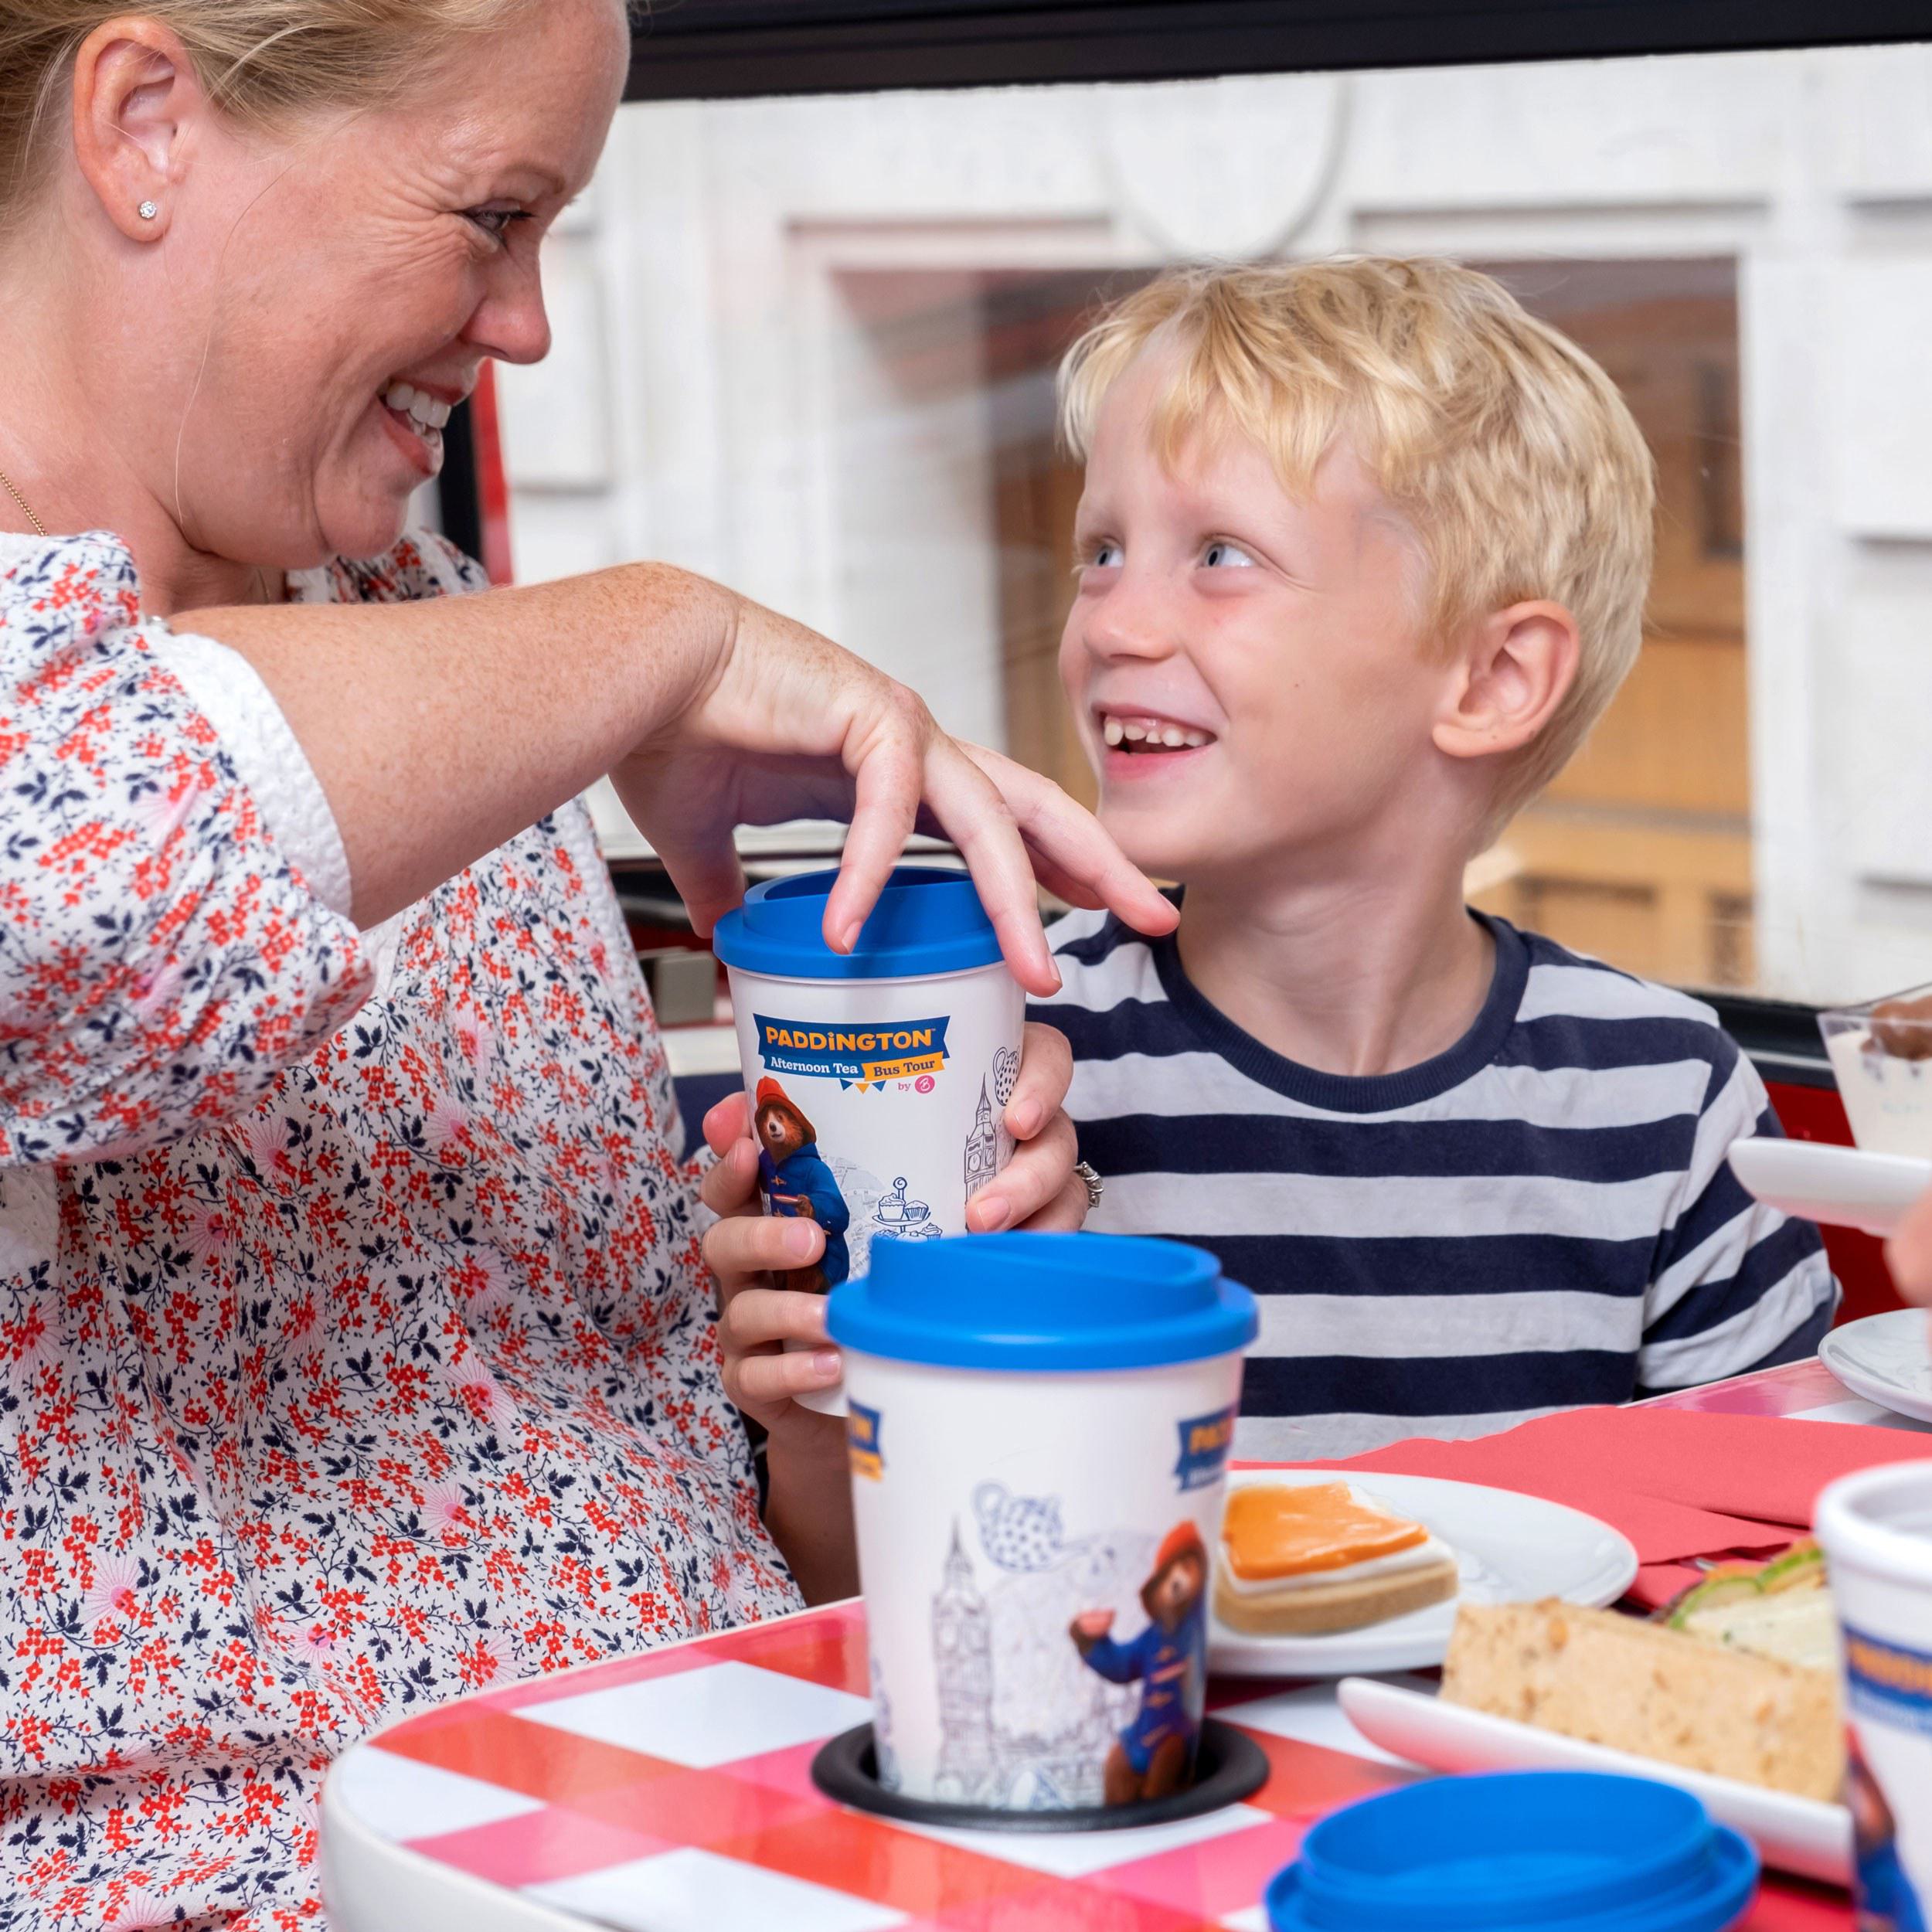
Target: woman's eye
(496, 222)
(1222, 554)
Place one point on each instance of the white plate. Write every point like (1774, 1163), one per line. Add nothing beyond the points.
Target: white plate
(1794, 1834)
(1510, 1549)
(1887, 1359)
(1820, 1182)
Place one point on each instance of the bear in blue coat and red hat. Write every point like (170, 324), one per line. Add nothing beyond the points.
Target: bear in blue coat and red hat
(1155, 1756)
(799, 1183)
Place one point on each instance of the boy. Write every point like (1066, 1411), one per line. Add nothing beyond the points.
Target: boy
(1362, 553)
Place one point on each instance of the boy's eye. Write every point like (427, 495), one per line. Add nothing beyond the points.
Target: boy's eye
(1222, 554)
(1104, 556)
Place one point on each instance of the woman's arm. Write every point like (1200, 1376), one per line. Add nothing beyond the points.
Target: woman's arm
(440, 729)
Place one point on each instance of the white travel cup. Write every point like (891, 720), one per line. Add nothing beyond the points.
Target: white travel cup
(1876, 1528)
(878, 1079)
(1038, 1429)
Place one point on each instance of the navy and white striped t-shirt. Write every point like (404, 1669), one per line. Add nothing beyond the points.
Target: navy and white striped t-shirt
(1540, 1217)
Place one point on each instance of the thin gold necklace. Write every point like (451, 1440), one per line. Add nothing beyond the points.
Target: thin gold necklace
(26, 508)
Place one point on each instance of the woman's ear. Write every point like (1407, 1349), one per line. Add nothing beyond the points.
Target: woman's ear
(1516, 669)
(135, 97)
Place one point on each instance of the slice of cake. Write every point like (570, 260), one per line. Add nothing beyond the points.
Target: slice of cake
(1305, 1559)
(1648, 1689)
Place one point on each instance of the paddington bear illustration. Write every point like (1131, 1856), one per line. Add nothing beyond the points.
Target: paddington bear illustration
(1886, 1895)
(1155, 1752)
(797, 1181)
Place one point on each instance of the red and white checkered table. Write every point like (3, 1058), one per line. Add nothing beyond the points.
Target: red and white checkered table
(671, 1793)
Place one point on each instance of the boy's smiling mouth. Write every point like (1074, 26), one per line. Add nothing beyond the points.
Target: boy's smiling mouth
(1139, 732)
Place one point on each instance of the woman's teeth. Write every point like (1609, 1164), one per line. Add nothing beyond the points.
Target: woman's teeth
(426, 412)
(1152, 734)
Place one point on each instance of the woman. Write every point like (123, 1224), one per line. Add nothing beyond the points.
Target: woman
(355, 1346)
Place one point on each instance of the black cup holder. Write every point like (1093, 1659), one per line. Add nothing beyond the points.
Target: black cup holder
(1229, 1766)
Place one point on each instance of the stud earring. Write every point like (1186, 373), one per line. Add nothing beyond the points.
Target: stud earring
(149, 210)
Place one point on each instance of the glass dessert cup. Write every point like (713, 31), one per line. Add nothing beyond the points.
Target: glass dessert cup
(1881, 1053)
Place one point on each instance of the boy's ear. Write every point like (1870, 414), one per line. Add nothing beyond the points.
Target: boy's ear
(1514, 670)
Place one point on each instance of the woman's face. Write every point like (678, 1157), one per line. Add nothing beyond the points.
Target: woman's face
(315, 274)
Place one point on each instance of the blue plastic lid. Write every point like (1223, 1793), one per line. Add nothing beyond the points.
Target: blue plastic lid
(1042, 1301)
(925, 921)
(1534, 1850)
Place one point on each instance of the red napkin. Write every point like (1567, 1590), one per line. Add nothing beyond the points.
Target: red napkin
(1679, 1483)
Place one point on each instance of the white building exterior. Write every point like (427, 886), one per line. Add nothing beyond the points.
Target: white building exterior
(716, 396)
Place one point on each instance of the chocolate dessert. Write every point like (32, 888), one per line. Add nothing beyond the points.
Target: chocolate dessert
(1903, 1027)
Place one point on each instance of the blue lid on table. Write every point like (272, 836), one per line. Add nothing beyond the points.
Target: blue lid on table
(1042, 1302)
(1534, 1850)
(927, 920)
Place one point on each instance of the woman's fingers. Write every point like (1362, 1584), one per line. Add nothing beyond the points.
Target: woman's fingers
(1035, 1175)
(967, 806)
(885, 805)
(1045, 1073)
(704, 870)
(1074, 856)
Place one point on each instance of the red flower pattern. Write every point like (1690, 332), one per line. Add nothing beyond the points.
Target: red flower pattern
(355, 1346)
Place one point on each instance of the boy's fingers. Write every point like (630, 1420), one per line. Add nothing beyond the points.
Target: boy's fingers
(1065, 1214)
(757, 1317)
(762, 1381)
(1038, 1173)
(730, 1184)
(762, 1244)
(729, 1120)
(1045, 1073)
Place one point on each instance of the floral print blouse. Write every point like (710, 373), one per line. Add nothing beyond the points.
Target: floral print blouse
(355, 1348)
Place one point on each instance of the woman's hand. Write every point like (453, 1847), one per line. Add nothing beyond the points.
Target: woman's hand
(789, 725)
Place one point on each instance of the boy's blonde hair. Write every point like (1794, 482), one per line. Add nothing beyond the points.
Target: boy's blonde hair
(1510, 452)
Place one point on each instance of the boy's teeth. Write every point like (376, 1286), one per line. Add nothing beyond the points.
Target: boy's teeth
(1154, 733)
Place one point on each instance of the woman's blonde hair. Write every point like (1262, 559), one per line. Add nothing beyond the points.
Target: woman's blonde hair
(262, 60)
(1510, 452)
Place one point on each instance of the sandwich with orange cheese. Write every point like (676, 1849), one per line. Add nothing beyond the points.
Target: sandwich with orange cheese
(1305, 1559)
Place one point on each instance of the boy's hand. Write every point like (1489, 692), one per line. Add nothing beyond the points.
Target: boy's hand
(744, 1248)
(1037, 1189)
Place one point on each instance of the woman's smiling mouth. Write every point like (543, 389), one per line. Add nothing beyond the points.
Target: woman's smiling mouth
(418, 418)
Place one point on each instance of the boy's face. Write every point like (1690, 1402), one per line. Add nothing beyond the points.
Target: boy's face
(1280, 642)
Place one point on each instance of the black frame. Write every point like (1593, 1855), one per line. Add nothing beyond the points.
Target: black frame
(686, 49)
